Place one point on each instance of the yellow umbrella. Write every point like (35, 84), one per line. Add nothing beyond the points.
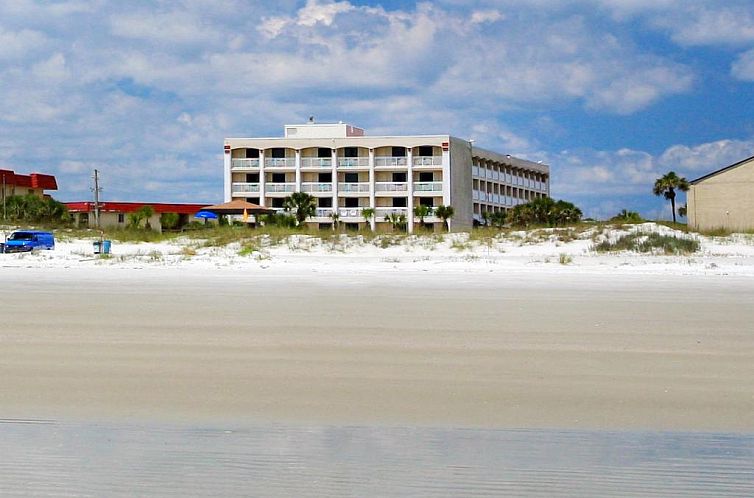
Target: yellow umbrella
(245, 215)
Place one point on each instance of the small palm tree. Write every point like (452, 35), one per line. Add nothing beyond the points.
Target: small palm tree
(421, 211)
(335, 217)
(667, 186)
(368, 214)
(445, 212)
(683, 210)
(397, 220)
(486, 218)
(498, 218)
(302, 204)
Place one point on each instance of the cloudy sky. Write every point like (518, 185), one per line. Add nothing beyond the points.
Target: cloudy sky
(610, 93)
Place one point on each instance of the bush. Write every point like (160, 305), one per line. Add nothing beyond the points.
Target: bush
(627, 217)
(34, 209)
(545, 211)
(169, 220)
(640, 242)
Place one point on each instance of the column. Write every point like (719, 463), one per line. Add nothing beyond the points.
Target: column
(410, 178)
(335, 179)
(298, 170)
(262, 181)
(372, 190)
(227, 194)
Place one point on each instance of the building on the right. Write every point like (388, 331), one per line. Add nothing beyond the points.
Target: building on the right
(723, 199)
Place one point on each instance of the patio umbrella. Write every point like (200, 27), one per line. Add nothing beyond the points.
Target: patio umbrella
(238, 206)
(207, 215)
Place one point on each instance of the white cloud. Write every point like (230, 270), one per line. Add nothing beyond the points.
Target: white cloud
(743, 67)
(17, 44)
(486, 16)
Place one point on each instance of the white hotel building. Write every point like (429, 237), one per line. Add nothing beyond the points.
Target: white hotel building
(347, 171)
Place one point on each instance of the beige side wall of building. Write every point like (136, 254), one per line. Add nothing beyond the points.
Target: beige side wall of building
(724, 200)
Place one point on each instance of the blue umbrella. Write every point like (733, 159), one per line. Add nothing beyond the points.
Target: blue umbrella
(207, 215)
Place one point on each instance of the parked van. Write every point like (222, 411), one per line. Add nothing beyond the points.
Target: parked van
(29, 240)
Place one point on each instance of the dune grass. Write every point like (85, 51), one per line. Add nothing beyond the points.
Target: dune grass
(650, 243)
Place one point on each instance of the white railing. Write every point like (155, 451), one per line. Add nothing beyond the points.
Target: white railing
(380, 213)
(241, 164)
(349, 212)
(427, 161)
(242, 188)
(316, 187)
(316, 162)
(391, 187)
(353, 162)
(354, 187)
(390, 161)
(323, 212)
(279, 162)
(271, 188)
(475, 195)
(428, 187)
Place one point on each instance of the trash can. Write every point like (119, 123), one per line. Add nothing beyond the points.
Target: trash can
(106, 247)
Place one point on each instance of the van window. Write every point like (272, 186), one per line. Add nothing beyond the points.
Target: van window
(21, 236)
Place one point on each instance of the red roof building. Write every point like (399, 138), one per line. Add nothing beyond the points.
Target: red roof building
(12, 183)
(115, 214)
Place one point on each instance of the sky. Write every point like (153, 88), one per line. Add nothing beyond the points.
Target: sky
(612, 94)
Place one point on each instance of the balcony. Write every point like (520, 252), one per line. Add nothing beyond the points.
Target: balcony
(350, 213)
(353, 188)
(427, 162)
(279, 162)
(244, 164)
(427, 187)
(390, 162)
(279, 188)
(313, 187)
(323, 213)
(390, 188)
(245, 188)
(353, 162)
(316, 162)
(381, 212)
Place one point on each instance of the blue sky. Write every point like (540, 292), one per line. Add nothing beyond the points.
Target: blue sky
(610, 93)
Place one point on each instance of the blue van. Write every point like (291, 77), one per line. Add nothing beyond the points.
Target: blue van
(29, 240)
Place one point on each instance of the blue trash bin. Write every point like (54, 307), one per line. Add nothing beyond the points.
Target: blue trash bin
(106, 246)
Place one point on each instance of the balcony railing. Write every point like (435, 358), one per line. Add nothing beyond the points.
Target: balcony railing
(245, 188)
(316, 187)
(391, 187)
(380, 213)
(353, 162)
(279, 162)
(428, 187)
(362, 187)
(427, 161)
(323, 212)
(272, 188)
(381, 161)
(350, 212)
(243, 164)
(316, 162)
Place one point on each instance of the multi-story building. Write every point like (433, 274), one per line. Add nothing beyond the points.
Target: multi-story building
(347, 171)
(12, 183)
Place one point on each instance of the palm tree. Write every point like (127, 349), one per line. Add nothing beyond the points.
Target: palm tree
(397, 220)
(368, 214)
(667, 185)
(302, 204)
(445, 212)
(421, 211)
(683, 210)
(498, 218)
(335, 217)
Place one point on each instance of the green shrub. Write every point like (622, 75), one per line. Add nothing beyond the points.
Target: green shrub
(640, 242)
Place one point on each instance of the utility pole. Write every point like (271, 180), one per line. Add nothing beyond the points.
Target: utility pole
(97, 189)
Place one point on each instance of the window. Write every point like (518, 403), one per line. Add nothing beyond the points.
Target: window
(427, 201)
(352, 177)
(325, 202)
(352, 226)
(278, 178)
(425, 150)
(253, 200)
(351, 152)
(399, 152)
(121, 218)
(400, 177)
(84, 218)
(400, 202)
(278, 153)
(325, 226)
(252, 153)
(352, 202)
(426, 176)
(324, 177)
(324, 152)
(252, 177)
(277, 202)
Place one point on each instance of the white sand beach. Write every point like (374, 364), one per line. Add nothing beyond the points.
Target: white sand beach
(351, 333)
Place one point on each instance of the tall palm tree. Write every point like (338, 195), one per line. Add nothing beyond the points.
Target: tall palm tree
(368, 214)
(667, 186)
(302, 204)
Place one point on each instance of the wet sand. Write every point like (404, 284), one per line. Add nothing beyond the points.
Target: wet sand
(523, 350)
